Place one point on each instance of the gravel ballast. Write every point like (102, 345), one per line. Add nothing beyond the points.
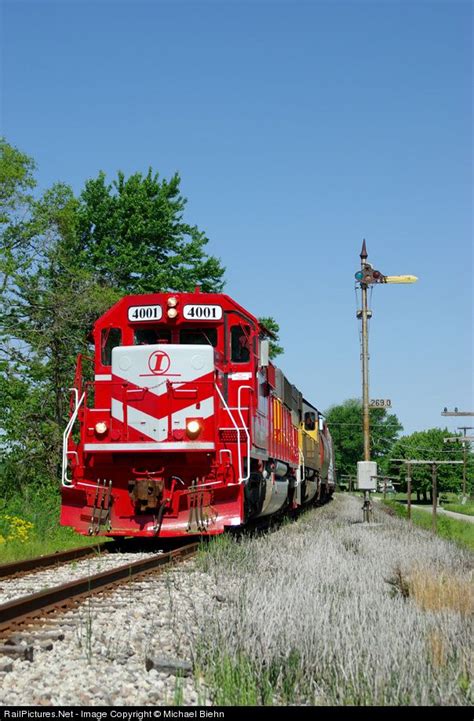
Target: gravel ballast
(319, 597)
(108, 643)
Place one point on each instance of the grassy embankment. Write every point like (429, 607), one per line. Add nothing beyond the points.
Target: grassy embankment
(29, 526)
(451, 529)
(448, 501)
(466, 509)
(331, 611)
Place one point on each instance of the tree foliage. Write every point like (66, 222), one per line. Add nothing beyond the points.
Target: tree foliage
(270, 324)
(345, 423)
(63, 261)
(16, 185)
(45, 308)
(133, 236)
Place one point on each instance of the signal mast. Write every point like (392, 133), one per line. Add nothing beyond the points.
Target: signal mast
(367, 275)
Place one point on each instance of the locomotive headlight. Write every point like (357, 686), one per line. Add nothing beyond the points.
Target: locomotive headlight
(101, 428)
(172, 312)
(193, 428)
(172, 302)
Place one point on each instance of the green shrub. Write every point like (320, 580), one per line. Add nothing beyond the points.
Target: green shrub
(29, 525)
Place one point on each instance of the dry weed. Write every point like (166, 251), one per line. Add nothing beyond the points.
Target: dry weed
(438, 649)
(315, 621)
(440, 590)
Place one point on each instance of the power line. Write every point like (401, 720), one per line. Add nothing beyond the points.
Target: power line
(359, 425)
(432, 449)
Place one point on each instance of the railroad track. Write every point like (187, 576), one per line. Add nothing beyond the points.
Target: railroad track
(20, 613)
(18, 568)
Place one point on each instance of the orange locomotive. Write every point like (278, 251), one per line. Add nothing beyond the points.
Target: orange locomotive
(187, 427)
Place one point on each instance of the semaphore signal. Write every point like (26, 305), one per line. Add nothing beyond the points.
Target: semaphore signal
(368, 275)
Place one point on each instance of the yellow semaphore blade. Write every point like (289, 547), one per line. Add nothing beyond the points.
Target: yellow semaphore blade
(400, 279)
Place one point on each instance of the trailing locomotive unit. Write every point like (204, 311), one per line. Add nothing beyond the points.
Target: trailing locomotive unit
(187, 426)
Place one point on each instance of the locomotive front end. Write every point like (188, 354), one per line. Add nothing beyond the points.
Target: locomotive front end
(144, 460)
(185, 426)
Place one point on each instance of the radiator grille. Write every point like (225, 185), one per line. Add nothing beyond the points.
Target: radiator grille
(231, 436)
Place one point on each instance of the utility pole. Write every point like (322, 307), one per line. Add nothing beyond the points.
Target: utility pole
(409, 491)
(434, 480)
(465, 441)
(384, 480)
(365, 358)
(434, 494)
(350, 479)
(464, 458)
(367, 276)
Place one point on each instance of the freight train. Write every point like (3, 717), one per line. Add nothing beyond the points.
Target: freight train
(185, 426)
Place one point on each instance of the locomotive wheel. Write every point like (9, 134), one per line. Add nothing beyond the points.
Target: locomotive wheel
(254, 495)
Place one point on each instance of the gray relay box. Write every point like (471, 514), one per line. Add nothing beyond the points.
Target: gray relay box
(367, 476)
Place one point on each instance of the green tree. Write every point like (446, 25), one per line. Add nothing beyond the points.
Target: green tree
(63, 262)
(17, 182)
(345, 424)
(426, 446)
(269, 324)
(133, 237)
(44, 314)
(16, 185)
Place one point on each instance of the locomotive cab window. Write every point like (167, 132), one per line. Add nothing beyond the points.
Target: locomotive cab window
(151, 336)
(240, 343)
(198, 336)
(310, 421)
(110, 338)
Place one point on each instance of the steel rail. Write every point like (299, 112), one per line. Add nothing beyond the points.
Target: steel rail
(21, 610)
(53, 559)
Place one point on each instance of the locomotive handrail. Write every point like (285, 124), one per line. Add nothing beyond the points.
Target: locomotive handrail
(246, 431)
(76, 396)
(301, 455)
(65, 481)
(224, 403)
(302, 474)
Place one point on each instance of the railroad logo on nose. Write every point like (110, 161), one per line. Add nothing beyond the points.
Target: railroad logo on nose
(159, 362)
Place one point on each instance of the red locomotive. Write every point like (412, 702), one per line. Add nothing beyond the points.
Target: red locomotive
(187, 427)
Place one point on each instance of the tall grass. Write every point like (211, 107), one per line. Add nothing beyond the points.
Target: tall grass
(330, 611)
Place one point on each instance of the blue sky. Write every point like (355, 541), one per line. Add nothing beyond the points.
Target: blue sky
(298, 130)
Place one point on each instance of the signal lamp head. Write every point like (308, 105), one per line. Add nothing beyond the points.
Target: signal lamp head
(193, 428)
(172, 302)
(172, 313)
(101, 428)
(359, 275)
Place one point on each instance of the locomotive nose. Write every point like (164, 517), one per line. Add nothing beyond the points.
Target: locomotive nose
(163, 392)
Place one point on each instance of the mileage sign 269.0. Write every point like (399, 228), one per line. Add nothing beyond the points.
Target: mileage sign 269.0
(380, 403)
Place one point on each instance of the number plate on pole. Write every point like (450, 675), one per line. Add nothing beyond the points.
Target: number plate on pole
(380, 403)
